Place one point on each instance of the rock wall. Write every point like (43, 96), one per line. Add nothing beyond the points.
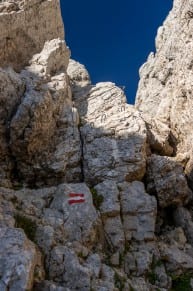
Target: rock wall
(95, 194)
(25, 26)
(165, 88)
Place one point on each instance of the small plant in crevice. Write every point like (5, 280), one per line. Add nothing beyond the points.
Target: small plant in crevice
(97, 199)
(119, 282)
(123, 254)
(27, 224)
(152, 276)
(121, 258)
(181, 283)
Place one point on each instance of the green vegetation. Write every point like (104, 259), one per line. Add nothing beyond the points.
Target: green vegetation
(119, 282)
(97, 199)
(27, 224)
(152, 276)
(121, 258)
(181, 283)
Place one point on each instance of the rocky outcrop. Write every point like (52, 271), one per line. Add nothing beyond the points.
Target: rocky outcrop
(94, 192)
(113, 133)
(165, 88)
(25, 26)
(41, 108)
(45, 112)
(14, 87)
(166, 179)
(19, 259)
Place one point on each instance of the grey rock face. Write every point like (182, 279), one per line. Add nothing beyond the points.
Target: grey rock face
(113, 135)
(18, 259)
(49, 285)
(110, 212)
(109, 130)
(40, 140)
(139, 212)
(47, 118)
(78, 219)
(6, 213)
(138, 262)
(158, 136)
(110, 205)
(176, 260)
(24, 32)
(165, 88)
(65, 268)
(183, 218)
(59, 218)
(79, 76)
(12, 89)
(59, 134)
(166, 179)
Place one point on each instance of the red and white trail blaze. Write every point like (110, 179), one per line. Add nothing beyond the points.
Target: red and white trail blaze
(76, 198)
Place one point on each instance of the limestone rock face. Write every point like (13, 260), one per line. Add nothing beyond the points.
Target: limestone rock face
(165, 88)
(183, 218)
(25, 26)
(76, 276)
(78, 74)
(17, 261)
(12, 89)
(113, 135)
(46, 112)
(166, 179)
(37, 106)
(139, 212)
(94, 193)
(55, 211)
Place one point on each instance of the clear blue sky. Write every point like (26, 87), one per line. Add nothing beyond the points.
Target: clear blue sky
(113, 38)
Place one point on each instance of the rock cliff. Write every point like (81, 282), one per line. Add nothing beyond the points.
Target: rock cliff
(95, 194)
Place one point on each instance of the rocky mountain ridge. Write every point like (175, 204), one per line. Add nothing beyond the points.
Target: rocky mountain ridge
(95, 194)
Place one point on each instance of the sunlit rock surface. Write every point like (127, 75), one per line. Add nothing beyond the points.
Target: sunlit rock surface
(95, 194)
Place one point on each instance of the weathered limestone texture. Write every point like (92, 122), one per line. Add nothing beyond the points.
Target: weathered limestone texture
(18, 259)
(139, 211)
(12, 89)
(113, 133)
(166, 179)
(165, 88)
(44, 138)
(95, 194)
(25, 26)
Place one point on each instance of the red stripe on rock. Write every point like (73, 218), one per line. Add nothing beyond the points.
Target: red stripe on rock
(76, 195)
(73, 201)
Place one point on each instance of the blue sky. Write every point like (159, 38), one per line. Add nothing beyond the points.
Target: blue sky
(113, 38)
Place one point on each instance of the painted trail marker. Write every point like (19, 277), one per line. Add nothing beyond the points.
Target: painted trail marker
(76, 198)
